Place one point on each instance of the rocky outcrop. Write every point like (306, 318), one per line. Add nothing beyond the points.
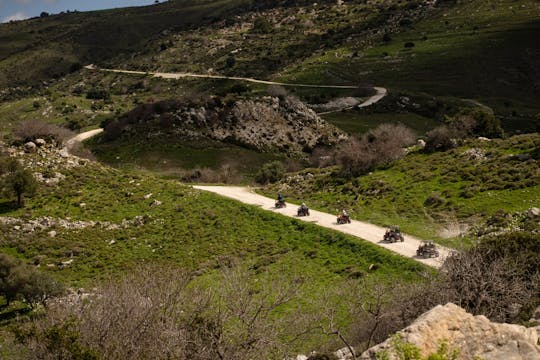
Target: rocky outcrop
(472, 336)
(265, 124)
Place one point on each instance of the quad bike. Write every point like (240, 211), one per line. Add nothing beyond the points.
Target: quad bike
(427, 250)
(393, 234)
(303, 211)
(343, 219)
(280, 204)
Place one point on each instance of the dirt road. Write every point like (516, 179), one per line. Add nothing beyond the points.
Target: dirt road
(366, 231)
(221, 77)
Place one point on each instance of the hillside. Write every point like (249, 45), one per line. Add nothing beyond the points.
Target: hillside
(453, 196)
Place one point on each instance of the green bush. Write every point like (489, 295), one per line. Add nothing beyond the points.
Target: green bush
(270, 172)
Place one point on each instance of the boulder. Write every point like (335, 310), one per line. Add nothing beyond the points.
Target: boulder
(30, 147)
(473, 336)
(533, 213)
(40, 142)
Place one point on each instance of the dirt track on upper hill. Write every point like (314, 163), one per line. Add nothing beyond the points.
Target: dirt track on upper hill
(222, 77)
(363, 230)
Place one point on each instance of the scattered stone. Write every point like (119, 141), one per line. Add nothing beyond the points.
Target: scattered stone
(533, 213)
(30, 147)
(40, 142)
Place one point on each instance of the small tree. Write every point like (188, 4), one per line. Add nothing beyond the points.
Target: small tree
(270, 173)
(21, 182)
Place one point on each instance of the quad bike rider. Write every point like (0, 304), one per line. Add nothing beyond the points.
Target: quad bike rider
(280, 202)
(393, 234)
(343, 217)
(427, 250)
(303, 210)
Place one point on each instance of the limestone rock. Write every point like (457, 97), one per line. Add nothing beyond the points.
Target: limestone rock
(40, 142)
(30, 147)
(471, 335)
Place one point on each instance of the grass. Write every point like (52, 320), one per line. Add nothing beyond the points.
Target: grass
(472, 50)
(194, 229)
(423, 193)
(173, 158)
(357, 123)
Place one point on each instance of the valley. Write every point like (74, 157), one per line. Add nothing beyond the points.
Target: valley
(142, 150)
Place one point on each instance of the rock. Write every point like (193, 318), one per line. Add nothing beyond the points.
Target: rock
(156, 203)
(421, 143)
(473, 336)
(52, 233)
(30, 147)
(40, 142)
(533, 213)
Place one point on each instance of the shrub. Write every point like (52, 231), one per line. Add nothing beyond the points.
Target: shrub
(262, 25)
(98, 94)
(378, 147)
(18, 280)
(30, 130)
(270, 172)
(441, 138)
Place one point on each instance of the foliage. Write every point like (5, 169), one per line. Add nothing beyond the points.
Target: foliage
(18, 280)
(425, 192)
(30, 130)
(402, 350)
(379, 146)
(18, 181)
(270, 172)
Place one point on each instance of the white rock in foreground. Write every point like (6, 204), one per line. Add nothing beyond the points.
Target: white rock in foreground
(473, 336)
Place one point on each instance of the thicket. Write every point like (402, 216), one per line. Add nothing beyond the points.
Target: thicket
(467, 123)
(379, 146)
(30, 130)
(21, 281)
(270, 172)
(162, 312)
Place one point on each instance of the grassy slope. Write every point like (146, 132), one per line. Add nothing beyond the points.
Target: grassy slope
(484, 50)
(464, 190)
(42, 48)
(194, 229)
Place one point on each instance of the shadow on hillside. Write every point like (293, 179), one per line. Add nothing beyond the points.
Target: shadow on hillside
(8, 206)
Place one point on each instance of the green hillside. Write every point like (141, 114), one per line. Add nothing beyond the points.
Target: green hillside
(444, 196)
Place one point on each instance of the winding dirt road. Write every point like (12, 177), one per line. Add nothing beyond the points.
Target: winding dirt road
(221, 77)
(362, 230)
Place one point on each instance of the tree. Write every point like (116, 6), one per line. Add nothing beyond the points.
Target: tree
(21, 182)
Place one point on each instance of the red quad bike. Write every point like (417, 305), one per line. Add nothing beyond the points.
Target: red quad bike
(280, 204)
(427, 250)
(393, 234)
(303, 211)
(343, 219)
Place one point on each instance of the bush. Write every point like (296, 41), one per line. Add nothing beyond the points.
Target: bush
(30, 130)
(18, 280)
(262, 25)
(270, 173)
(441, 138)
(378, 147)
(98, 94)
